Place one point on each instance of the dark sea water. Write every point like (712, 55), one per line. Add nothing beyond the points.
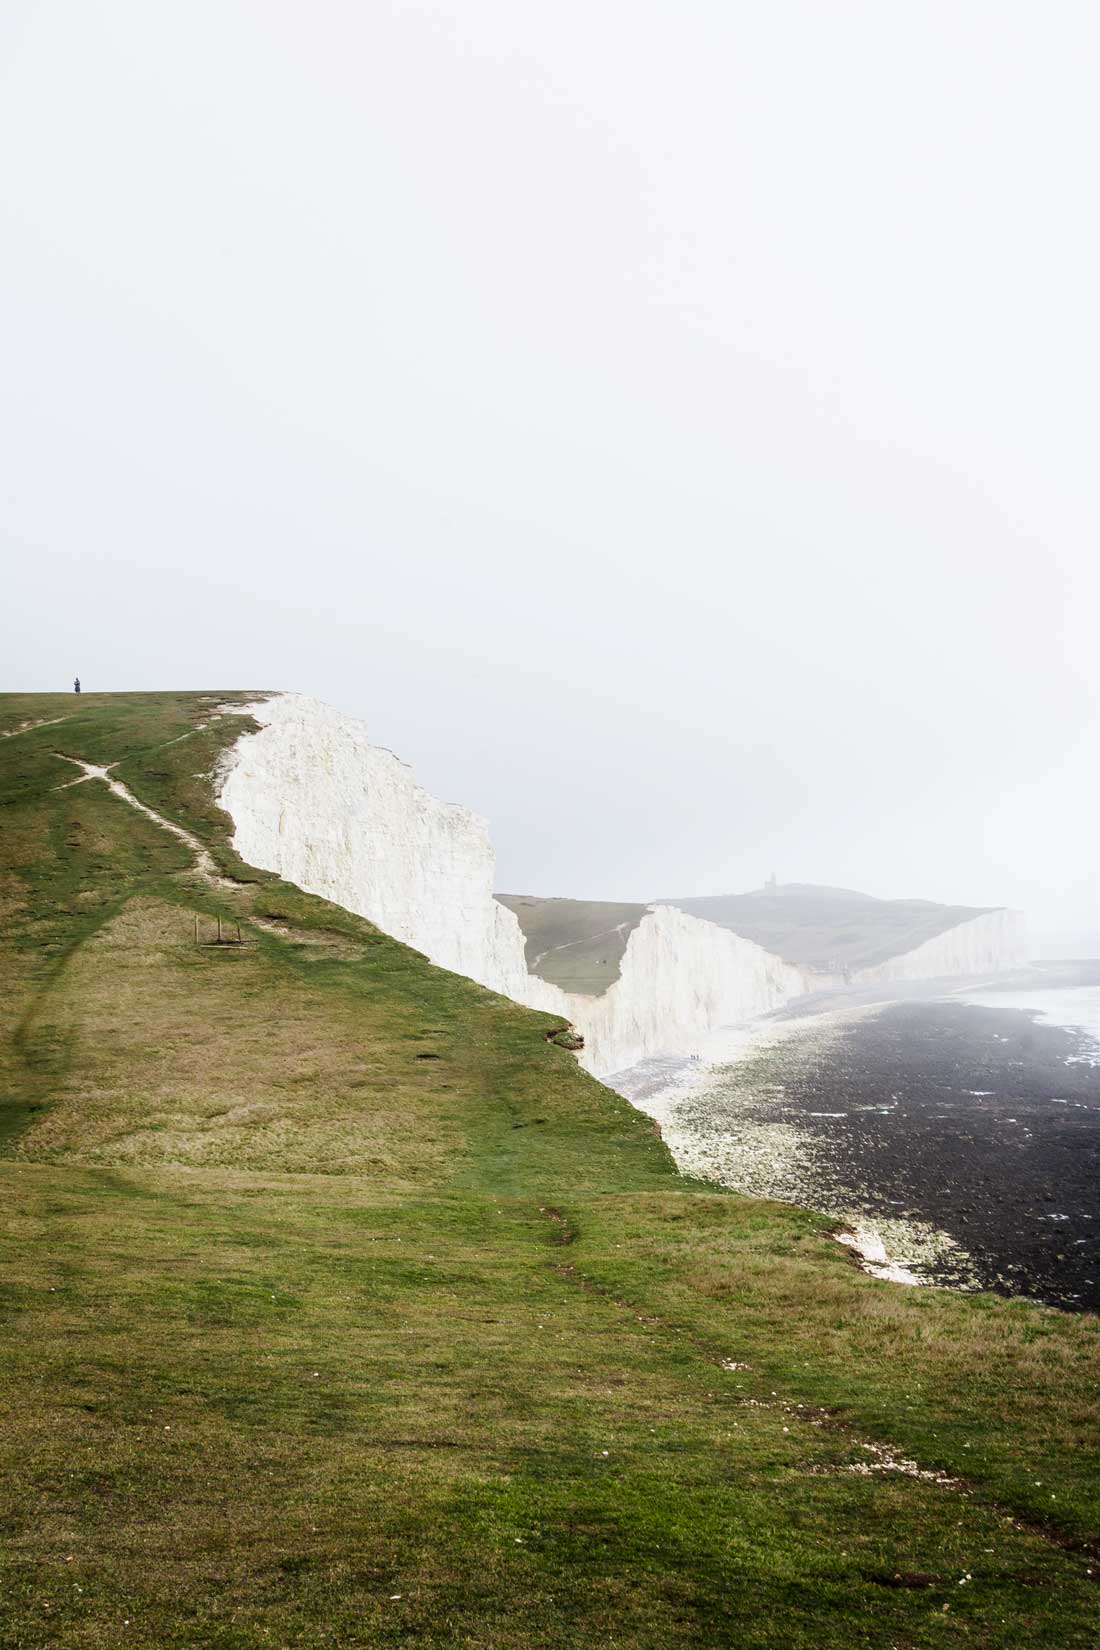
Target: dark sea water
(966, 1133)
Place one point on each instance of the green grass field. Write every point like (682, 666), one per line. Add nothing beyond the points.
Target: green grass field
(343, 1309)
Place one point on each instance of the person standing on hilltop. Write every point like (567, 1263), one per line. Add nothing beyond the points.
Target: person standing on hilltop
(76, 684)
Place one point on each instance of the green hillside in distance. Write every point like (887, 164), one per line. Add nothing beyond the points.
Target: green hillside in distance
(579, 944)
(576, 944)
(828, 928)
(341, 1308)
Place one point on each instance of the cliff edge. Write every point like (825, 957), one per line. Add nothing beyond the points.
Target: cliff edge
(313, 800)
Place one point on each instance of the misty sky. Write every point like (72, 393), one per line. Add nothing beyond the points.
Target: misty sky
(672, 426)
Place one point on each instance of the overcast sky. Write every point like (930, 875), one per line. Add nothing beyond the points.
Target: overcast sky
(672, 426)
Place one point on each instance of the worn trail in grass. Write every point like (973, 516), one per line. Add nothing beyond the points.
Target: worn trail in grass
(295, 1352)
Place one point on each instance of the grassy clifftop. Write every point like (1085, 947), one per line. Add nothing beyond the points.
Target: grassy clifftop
(341, 1308)
(317, 1044)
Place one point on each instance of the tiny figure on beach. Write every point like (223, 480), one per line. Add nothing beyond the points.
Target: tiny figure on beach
(76, 684)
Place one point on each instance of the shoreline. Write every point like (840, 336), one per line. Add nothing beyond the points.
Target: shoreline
(953, 1132)
(660, 1086)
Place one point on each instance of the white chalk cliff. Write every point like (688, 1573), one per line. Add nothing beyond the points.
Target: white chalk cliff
(313, 800)
(982, 945)
(679, 978)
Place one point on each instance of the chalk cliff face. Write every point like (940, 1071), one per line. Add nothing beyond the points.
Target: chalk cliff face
(314, 801)
(988, 944)
(311, 798)
(679, 978)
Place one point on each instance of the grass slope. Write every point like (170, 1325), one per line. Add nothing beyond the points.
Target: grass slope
(576, 944)
(340, 1308)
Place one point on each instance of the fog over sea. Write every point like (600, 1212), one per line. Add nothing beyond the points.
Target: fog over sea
(954, 1129)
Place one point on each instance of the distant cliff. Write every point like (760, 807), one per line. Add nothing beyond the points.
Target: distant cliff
(986, 944)
(313, 800)
(836, 931)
